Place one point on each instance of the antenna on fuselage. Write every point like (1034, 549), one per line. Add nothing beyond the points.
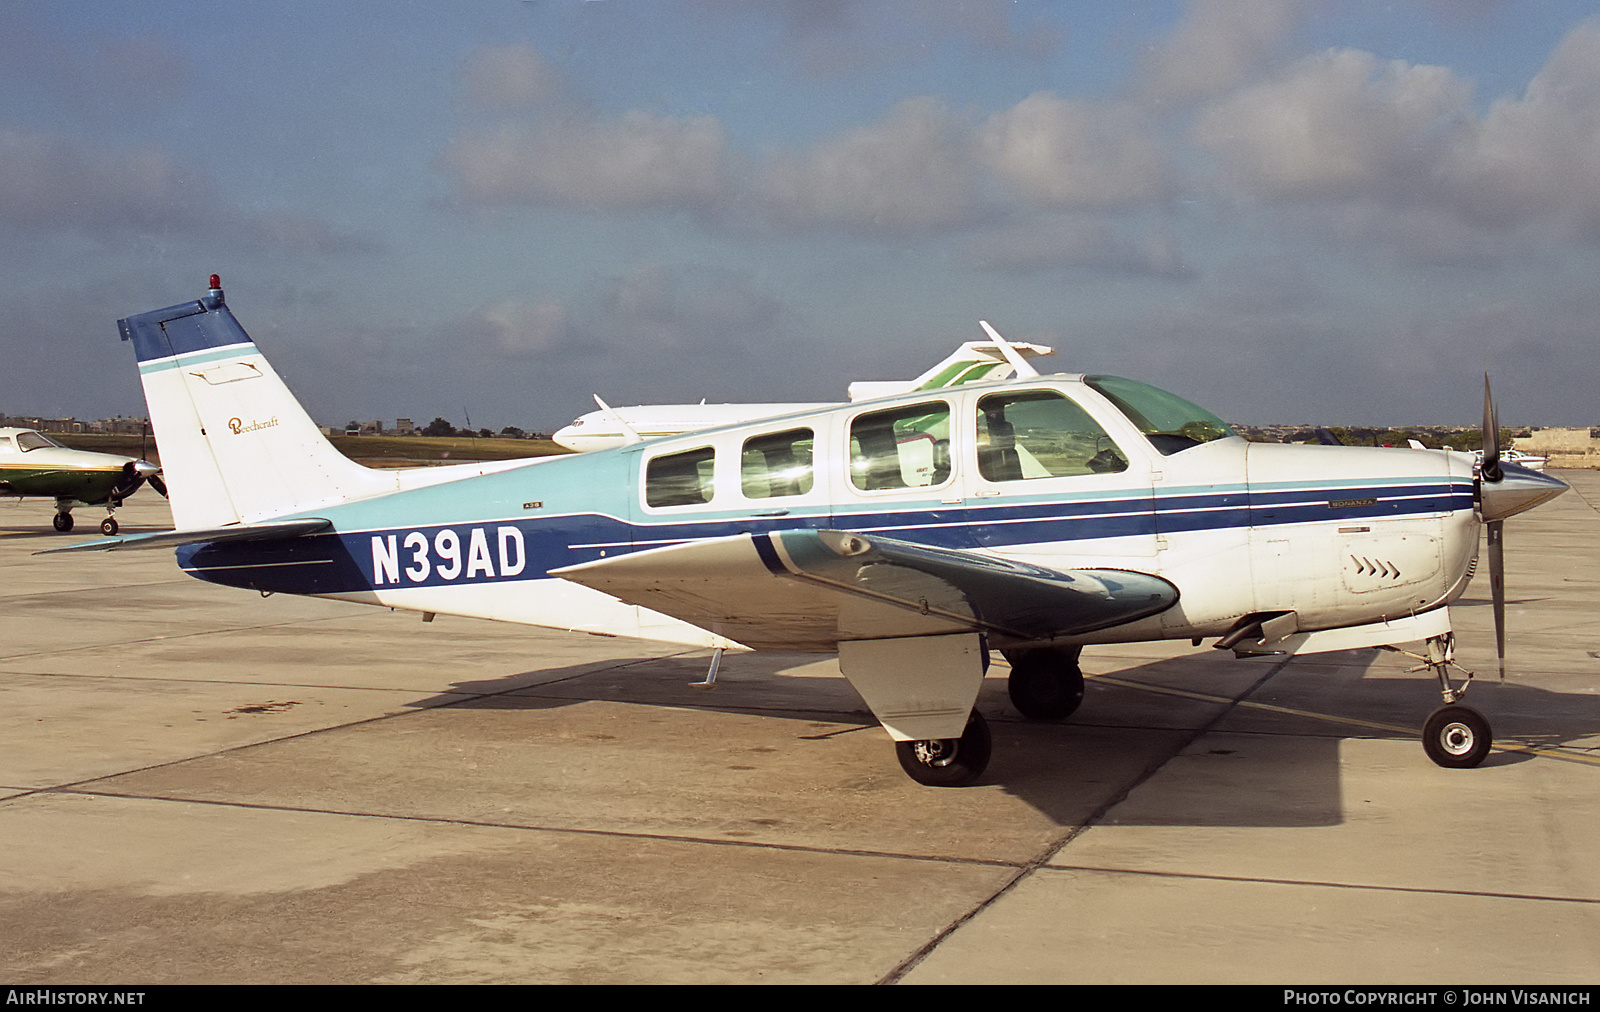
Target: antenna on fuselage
(1018, 363)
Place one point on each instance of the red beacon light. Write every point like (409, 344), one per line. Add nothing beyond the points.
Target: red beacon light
(216, 282)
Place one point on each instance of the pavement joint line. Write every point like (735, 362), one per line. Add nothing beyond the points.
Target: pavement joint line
(1317, 883)
(1043, 858)
(78, 786)
(119, 591)
(540, 828)
(224, 681)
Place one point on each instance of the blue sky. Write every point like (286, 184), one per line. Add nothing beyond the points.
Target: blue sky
(1287, 210)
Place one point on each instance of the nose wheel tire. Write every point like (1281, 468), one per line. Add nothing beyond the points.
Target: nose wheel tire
(948, 762)
(108, 527)
(1456, 737)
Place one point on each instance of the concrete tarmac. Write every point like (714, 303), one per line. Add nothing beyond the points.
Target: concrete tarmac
(198, 785)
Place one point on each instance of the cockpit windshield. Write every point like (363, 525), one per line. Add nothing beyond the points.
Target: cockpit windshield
(28, 440)
(1171, 423)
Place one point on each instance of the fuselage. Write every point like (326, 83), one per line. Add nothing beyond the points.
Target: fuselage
(33, 464)
(1063, 472)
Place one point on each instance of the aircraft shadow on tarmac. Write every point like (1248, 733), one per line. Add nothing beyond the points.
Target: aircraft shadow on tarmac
(1273, 759)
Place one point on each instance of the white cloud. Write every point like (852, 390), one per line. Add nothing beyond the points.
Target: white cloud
(1080, 241)
(49, 180)
(1338, 124)
(517, 329)
(915, 171)
(1400, 144)
(1061, 152)
(832, 37)
(1215, 45)
(1538, 155)
(636, 161)
(655, 307)
(509, 77)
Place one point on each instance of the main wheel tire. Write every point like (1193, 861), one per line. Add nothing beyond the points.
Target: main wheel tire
(1456, 737)
(948, 762)
(1045, 684)
(63, 522)
(108, 527)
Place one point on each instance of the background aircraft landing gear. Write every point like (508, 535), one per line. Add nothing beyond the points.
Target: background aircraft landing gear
(1456, 737)
(63, 522)
(108, 526)
(1045, 683)
(948, 762)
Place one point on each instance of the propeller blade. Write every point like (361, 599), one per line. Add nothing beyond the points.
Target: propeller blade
(127, 485)
(1497, 588)
(1490, 470)
(159, 485)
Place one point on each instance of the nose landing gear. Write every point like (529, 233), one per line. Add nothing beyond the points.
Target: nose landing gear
(1454, 736)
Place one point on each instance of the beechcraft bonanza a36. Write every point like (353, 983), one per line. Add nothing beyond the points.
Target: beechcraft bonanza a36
(33, 464)
(911, 533)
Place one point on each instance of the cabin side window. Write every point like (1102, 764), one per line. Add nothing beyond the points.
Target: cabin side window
(34, 441)
(1041, 434)
(680, 479)
(777, 464)
(906, 447)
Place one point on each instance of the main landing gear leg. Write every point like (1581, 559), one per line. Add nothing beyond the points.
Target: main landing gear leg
(1045, 683)
(948, 762)
(63, 520)
(1454, 736)
(923, 690)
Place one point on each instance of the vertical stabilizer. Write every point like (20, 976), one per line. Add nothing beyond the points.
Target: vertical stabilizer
(235, 444)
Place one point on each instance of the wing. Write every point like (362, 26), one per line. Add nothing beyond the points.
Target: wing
(810, 589)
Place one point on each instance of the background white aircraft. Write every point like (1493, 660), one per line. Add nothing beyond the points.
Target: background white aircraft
(611, 427)
(911, 534)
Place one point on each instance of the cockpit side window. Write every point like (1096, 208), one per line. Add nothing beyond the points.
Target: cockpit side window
(1041, 434)
(907, 447)
(5, 444)
(1171, 423)
(34, 441)
(680, 479)
(776, 464)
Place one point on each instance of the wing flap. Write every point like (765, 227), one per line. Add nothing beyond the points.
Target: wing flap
(810, 589)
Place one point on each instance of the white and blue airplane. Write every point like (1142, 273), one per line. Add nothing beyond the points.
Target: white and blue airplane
(911, 534)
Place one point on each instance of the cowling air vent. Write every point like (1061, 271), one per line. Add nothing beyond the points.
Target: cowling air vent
(1380, 568)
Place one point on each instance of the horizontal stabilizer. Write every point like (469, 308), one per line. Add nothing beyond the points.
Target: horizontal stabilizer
(810, 589)
(273, 531)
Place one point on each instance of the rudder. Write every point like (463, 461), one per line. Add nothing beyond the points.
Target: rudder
(236, 446)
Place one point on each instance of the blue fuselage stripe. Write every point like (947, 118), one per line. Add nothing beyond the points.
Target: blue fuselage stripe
(527, 548)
